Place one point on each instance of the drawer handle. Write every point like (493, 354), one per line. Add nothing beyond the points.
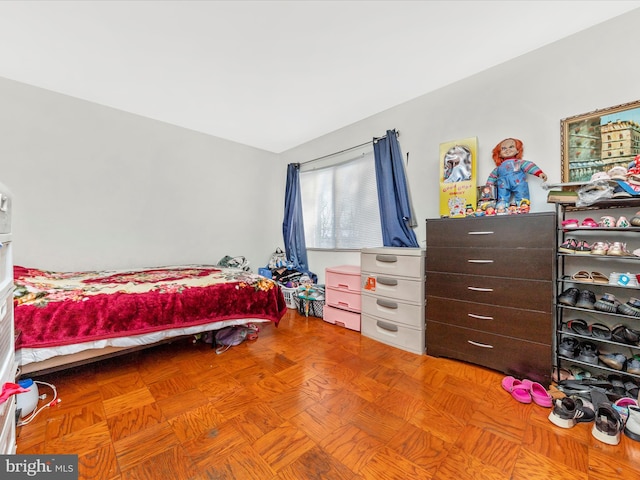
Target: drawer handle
(387, 326)
(343, 303)
(381, 257)
(480, 261)
(480, 233)
(3, 310)
(388, 281)
(483, 345)
(342, 285)
(4, 202)
(479, 289)
(479, 317)
(386, 303)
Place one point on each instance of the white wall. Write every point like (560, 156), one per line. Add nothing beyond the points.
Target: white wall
(96, 187)
(524, 98)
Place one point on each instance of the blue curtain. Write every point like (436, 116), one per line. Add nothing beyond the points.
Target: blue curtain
(396, 216)
(293, 226)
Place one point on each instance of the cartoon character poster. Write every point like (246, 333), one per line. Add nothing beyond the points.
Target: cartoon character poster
(458, 193)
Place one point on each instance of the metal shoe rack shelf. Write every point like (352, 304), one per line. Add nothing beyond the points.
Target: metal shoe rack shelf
(569, 264)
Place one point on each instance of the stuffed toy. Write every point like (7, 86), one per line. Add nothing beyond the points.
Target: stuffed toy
(510, 174)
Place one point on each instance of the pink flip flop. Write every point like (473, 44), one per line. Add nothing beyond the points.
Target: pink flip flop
(517, 389)
(538, 393)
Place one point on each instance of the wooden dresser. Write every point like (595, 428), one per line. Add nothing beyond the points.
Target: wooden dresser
(490, 292)
(8, 364)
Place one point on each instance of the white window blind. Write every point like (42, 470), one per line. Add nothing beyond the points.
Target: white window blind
(340, 205)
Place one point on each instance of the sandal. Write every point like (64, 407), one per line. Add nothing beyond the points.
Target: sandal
(579, 326)
(538, 393)
(582, 276)
(600, 331)
(517, 389)
(598, 277)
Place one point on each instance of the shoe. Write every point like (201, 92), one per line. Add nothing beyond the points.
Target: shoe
(518, 390)
(579, 326)
(608, 424)
(568, 411)
(627, 280)
(632, 308)
(608, 303)
(569, 246)
(538, 393)
(600, 248)
(618, 173)
(589, 223)
(632, 426)
(569, 297)
(582, 276)
(588, 352)
(625, 335)
(622, 222)
(583, 248)
(617, 361)
(635, 220)
(586, 299)
(630, 385)
(613, 278)
(607, 221)
(600, 331)
(568, 347)
(598, 277)
(622, 407)
(619, 249)
(633, 365)
(570, 223)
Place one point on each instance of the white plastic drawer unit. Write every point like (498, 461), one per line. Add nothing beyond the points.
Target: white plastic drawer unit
(6, 264)
(5, 209)
(400, 262)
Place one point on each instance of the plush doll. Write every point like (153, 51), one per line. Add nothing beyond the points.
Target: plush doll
(510, 174)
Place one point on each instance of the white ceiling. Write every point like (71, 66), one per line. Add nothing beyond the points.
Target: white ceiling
(272, 74)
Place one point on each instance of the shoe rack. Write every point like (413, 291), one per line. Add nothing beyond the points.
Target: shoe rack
(599, 333)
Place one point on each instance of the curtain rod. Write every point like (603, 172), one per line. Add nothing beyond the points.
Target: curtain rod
(375, 139)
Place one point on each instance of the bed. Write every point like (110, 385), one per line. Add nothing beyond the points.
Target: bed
(64, 319)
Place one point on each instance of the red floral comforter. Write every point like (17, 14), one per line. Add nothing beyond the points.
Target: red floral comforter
(53, 308)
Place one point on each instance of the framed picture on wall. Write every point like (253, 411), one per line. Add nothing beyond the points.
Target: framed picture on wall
(600, 140)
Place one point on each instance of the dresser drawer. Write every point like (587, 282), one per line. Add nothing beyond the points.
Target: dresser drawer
(399, 312)
(400, 262)
(534, 326)
(396, 335)
(5, 209)
(343, 298)
(515, 293)
(6, 267)
(533, 230)
(534, 263)
(344, 277)
(342, 318)
(519, 358)
(394, 288)
(8, 429)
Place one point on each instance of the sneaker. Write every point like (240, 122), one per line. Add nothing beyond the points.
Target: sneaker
(632, 308)
(588, 352)
(617, 361)
(635, 220)
(586, 299)
(568, 411)
(618, 248)
(569, 246)
(568, 347)
(569, 297)
(608, 424)
(607, 221)
(608, 303)
(633, 365)
(632, 426)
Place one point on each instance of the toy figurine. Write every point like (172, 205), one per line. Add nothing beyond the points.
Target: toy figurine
(469, 212)
(510, 174)
(525, 206)
(501, 209)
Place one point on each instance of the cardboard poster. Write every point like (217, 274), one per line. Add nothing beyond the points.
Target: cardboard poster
(458, 192)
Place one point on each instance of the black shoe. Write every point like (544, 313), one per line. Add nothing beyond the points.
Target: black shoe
(568, 347)
(569, 297)
(586, 299)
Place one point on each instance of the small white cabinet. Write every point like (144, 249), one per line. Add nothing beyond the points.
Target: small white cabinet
(393, 296)
(8, 365)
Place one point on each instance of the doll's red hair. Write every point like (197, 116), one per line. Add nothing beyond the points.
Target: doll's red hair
(496, 150)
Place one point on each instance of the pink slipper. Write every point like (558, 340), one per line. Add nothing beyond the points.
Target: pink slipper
(538, 393)
(517, 389)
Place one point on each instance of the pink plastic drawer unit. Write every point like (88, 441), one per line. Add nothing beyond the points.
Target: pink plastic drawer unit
(343, 318)
(344, 277)
(340, 299)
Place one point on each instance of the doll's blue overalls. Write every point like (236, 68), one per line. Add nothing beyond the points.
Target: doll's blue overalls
(512, 179)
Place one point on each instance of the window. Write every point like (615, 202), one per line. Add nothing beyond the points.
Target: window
(340, 205)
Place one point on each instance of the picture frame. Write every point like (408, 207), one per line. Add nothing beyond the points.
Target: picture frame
(599, 140)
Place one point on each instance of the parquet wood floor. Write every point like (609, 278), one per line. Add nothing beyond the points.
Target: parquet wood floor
(308, 400)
